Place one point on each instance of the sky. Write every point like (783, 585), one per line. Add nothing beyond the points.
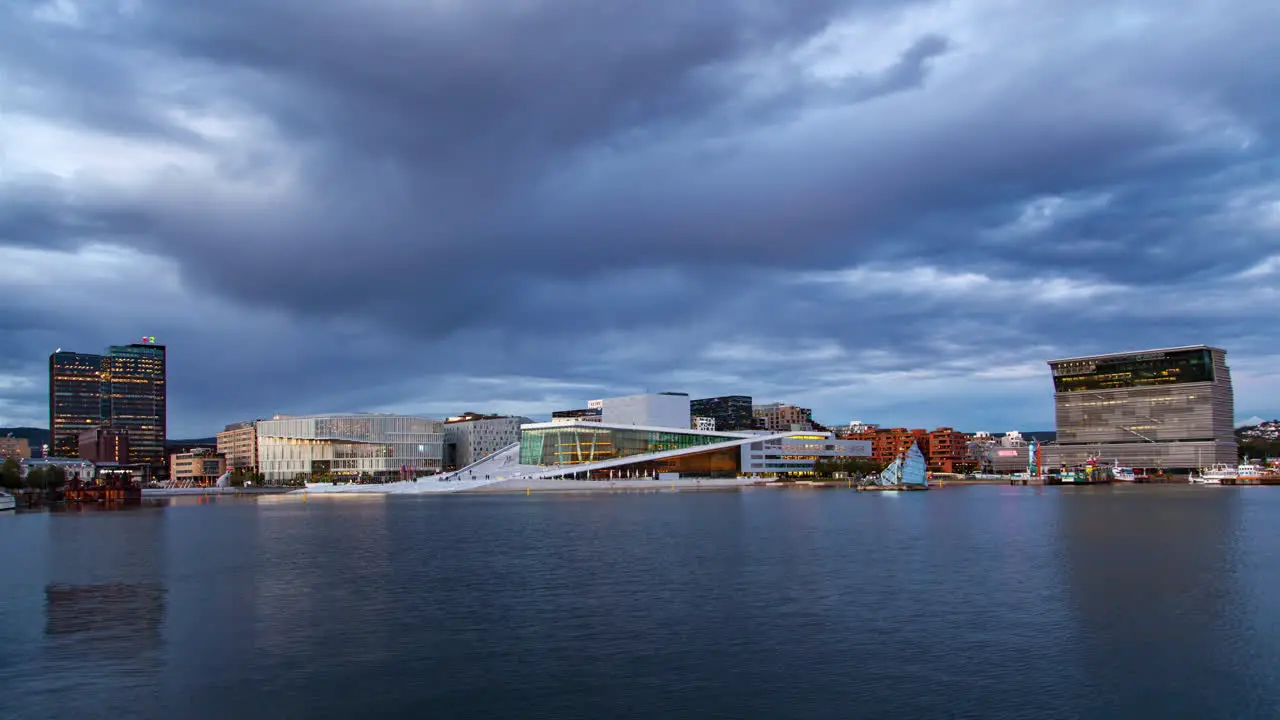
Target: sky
(893, 211)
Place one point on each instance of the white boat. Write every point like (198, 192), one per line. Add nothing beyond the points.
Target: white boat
(1124, 474)
(1219, 474)
(7, 501)
(1249, 471)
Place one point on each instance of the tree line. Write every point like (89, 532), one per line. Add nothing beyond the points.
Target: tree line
(38, 478)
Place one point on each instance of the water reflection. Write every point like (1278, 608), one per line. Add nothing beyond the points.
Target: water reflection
(112, 620)
(1152, 567)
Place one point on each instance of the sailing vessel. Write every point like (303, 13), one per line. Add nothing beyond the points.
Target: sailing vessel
(908, 471)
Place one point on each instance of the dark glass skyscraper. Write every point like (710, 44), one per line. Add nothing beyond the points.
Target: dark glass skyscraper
(731, 412)
(75, 400)
(136, 397)
(125, 389)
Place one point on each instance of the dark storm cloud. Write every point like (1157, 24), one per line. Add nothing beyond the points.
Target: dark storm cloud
(624, 193)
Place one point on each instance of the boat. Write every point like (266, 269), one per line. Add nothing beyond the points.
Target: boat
(7, 501)
(1090, 473)
(1124, 474)
(1218, 474)
(908, 471)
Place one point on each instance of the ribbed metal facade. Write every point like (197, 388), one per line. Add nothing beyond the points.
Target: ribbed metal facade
(1168, 409)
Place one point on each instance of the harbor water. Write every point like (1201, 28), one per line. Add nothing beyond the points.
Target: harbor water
(964, 602)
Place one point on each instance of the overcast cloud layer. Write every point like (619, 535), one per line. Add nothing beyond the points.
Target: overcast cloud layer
(889, 210)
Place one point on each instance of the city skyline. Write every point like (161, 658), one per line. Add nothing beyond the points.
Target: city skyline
(890, 211)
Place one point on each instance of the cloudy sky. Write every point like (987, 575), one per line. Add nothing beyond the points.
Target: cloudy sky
(888, 210)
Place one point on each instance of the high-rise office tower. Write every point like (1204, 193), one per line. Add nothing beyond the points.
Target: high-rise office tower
(135, 395)
(75, 400)
(124, 389)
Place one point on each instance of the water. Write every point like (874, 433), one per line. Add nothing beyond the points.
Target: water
(980, 602)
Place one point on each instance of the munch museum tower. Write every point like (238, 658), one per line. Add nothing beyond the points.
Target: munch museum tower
(1166, 409)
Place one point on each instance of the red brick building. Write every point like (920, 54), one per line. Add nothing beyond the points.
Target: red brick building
(944, 449)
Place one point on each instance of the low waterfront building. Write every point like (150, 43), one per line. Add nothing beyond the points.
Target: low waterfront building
(238, 443)
(73, 469)
(730, 412)
(796, 454)
(105, 445)
(199, 468)
(1162, 409)
(14, 447)
(383, 447)
(472, 436)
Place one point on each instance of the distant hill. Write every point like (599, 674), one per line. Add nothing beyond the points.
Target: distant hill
(1044, 436)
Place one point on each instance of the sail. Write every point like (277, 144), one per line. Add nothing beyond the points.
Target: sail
(913, 467)
(225, 480)
(891, 475)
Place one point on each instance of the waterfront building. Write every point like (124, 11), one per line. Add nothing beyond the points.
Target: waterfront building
(238, 443)
(384, 447)
(1163, 409)
(75, 400)
(601, 451)
(73, 469)
(948, 451)
(796, 454)
(471, 436)
(105, 445)
(199, 468)
(15, 447)
(730, 412)
(703, 423)
(124, 389)
(776, 417)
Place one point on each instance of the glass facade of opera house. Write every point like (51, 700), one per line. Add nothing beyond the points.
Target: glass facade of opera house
(582, 443)
(701, 454)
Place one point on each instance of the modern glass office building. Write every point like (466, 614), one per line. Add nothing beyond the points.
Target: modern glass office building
(135, 395)
(385, 447)
(75, 400)
(1164, 409)
(731, 412)
(124, 389)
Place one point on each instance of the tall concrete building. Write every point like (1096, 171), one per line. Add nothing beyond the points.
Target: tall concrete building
(124, 389)
(1163, 409)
